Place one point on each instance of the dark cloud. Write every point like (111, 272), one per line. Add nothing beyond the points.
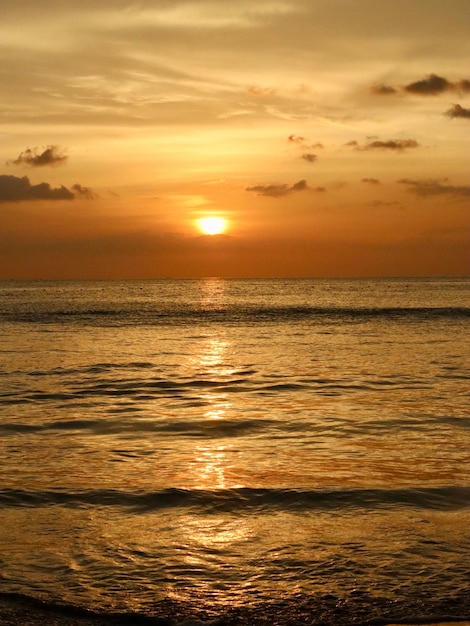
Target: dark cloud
(383, 90)
(458, 111)
(398, 145)
(392, 144)
(426, 188)
(16, 189)
(52, 155)
(371, 181)
(319, 189)
(463, 85)
(84, 192)
(430, 86)
(307, 156)
(275, 191)
(300, 186)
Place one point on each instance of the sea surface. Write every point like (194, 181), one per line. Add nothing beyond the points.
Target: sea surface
(237, 450)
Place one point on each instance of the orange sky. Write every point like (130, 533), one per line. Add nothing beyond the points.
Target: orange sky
(332, 135)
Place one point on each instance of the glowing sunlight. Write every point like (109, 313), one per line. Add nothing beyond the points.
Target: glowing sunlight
(212, 225)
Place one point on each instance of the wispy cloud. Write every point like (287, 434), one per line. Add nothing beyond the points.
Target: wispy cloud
(276, 191)
(16, 189)
(84, 192)
(308, 156)
(382, 203)
(296, 139)
(371, 181)
(305, 145)
(458, 111)
(396, 145)
(432, 187)
(50, 156)
(303, 142)
(383, 90)
(261, 92)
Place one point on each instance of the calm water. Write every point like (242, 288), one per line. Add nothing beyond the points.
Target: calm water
(201, 447)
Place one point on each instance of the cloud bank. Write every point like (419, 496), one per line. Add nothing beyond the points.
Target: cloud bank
(16, 189)
(426, 188)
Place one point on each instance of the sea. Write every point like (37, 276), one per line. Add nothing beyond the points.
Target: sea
(224, 451)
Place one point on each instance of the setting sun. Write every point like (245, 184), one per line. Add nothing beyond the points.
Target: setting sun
(212, 225)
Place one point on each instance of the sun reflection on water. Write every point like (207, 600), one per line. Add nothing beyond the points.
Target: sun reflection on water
(210, 458)
(210, 464)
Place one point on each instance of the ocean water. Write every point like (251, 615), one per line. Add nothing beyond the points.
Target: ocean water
(237, 449)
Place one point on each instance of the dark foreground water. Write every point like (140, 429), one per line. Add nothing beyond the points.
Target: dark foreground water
(242, 450)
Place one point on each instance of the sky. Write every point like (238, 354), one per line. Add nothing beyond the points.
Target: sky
(332, 136)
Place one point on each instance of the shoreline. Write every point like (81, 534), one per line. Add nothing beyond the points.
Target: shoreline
(19, 610)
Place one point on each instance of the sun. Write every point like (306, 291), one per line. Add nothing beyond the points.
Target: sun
(212, 225)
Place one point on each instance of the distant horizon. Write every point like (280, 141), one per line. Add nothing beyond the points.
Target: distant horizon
(196, 278)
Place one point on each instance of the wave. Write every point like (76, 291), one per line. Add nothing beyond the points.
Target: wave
(144, 381)
(193, 428)
(236, 315)
(244, 500)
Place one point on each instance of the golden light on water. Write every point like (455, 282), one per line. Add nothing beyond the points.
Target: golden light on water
(212, 225)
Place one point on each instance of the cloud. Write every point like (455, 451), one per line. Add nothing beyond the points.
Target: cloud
(371, 181)
(84, 192)
(304, 145)
(52, 155)
(398, 145)
(383, 90)
(463, 85)
(303, 142)
(16, 189)
(430, 86)
(382, 203)
(426, 188)
(300, 186)
(261, 92)
(296, 139)
(275, 191)
(458, 111)
(307, 156)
